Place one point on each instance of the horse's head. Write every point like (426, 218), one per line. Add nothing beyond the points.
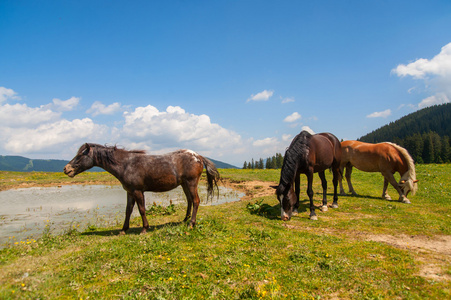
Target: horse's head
(407, 186)
(81, 162)
(287, 199)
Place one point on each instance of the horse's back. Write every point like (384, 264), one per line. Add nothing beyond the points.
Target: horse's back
(368, 157)
(322, 152)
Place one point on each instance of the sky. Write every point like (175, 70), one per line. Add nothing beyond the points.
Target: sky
(231, 80)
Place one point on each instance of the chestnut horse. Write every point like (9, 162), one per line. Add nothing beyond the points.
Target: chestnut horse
(139, 172)
(386, 158)
(308, 154)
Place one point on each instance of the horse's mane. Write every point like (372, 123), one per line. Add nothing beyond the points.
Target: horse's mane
(410, 175)
(296, 153)
(106, 154)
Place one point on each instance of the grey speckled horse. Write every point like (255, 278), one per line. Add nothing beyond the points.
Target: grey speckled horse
(139, 172)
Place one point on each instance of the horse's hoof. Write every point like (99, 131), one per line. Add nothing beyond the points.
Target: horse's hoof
(295, 212)
(314, 218)
(387, 197)
(121, 232)
(405, 200)
(334, 205)
(324, 208)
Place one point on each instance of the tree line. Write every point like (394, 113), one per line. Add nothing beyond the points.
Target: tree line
(427, 147)
(424, 133)
(274, 162)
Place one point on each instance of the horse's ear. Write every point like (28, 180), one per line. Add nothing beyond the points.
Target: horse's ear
(402, 182)
(274, 186)
(87, 148)
(415, 181)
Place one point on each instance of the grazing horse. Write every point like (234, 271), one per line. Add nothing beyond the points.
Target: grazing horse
(387, 158)
(139, 172)
(308, 154)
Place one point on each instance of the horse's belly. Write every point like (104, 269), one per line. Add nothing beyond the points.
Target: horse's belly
(366, 166)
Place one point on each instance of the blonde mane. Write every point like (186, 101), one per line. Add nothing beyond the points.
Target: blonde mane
(410, 175)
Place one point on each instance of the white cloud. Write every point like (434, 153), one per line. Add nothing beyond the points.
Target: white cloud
(177, 128)
(435, 73)
(66, 105)
(286, 137)
(439, 65)
(6, 94)
(287, 100)
(265, 142)
(380, 114)
(262, 96)
(293, 117)
(439, 98)
(20, 115)
(308, 129)
(98, 108)
(49, 135)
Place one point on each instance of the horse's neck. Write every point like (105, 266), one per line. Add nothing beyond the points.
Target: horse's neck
(115, 169)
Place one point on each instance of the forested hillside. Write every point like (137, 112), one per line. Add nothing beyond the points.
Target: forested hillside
(424, 133)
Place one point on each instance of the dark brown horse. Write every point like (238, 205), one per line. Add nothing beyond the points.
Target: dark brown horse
(139, 172)
(308, 154)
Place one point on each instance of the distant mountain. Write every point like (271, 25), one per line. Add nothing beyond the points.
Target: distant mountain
(222, 165)
(23, 164)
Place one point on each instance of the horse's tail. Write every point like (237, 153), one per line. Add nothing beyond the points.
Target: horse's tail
(212, 177)
(410, 176)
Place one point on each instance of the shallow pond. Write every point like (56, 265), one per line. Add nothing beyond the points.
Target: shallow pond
(28, 213)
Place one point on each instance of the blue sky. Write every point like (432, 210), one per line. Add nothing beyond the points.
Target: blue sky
(232, 80)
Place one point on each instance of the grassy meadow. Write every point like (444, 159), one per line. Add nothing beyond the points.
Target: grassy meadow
(368, 248)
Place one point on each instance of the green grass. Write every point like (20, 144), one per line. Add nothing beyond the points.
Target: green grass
(242, 250)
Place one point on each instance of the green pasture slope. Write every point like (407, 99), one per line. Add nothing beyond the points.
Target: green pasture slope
(368, 248)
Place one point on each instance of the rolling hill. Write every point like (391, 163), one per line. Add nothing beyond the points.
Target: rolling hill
(23, 164)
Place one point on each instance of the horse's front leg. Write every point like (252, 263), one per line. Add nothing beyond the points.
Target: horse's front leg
(297, 190)
(402, 198)
(140, 200)
(310, 195)
(128, 212)
(324, 185)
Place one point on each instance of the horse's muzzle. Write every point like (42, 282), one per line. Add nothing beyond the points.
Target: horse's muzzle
(285, 218)
(69, 170)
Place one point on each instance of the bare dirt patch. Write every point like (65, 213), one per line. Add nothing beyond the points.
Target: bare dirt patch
(252, 189)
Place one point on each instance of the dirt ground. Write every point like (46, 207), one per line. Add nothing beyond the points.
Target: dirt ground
(432, 253)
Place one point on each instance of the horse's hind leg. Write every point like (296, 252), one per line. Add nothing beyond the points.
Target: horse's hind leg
(324, 185)
(140, 200)
(189, 199)
(128, 212)
(385, 195)
(190, 190)
(348, 179)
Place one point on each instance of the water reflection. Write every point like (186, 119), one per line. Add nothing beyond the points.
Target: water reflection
(26, 213)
